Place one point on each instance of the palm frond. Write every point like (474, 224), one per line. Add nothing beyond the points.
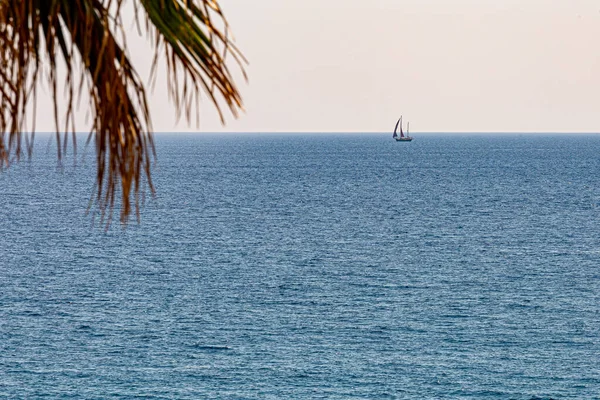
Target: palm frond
(197, 45)
(193, 34)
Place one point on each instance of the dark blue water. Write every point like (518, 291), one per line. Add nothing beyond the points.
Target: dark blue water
(307, 267)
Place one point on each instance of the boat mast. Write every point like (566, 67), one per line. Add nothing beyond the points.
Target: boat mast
(407, 126)
(401, 134)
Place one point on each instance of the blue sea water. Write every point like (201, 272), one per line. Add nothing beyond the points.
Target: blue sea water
(310, 267)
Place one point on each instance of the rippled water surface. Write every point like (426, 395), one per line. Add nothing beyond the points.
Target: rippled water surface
(307, 267)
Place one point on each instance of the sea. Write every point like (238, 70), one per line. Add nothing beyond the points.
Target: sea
(308, 266)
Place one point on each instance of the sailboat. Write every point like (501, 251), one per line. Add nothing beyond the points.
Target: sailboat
(401, 137)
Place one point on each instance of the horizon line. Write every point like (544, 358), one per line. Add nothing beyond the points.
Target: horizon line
(351, 132)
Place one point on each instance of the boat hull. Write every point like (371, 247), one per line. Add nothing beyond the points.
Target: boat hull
(403, 139)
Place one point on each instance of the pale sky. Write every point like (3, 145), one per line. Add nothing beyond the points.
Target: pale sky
(447, 66)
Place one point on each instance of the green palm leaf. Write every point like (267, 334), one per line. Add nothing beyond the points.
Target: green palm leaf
(192, 37)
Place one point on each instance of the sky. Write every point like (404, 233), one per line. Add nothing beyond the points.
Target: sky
(446, 66)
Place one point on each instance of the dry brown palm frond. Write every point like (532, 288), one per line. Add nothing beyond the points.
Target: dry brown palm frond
(193, 34)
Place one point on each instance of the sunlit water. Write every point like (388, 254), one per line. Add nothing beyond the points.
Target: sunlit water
(306, 267)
